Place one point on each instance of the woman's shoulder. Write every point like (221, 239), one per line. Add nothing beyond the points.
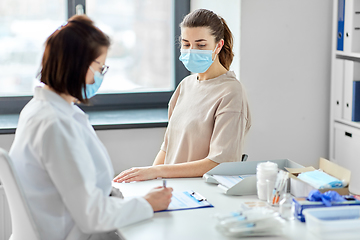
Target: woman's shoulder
(230, 85)
(188, 79)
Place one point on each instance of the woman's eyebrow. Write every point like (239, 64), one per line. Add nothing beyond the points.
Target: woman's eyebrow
(198, 40)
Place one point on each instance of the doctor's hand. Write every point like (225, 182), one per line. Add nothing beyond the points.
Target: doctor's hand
(137, 174)
(159, 198)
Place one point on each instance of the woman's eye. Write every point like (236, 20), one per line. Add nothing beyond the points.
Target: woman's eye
(200, 46)
(184, 45)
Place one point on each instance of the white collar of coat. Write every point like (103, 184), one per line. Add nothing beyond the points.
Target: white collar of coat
(57, 101)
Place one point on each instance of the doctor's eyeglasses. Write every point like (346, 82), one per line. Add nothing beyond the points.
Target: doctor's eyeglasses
(104, 68)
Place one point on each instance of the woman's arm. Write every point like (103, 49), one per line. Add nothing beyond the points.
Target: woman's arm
(188, 169)
(160, 158)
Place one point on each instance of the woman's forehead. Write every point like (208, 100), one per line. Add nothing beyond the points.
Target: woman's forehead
(195, 33)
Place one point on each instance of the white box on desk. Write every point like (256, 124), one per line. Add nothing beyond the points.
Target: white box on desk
(247, 186)
(300, 188)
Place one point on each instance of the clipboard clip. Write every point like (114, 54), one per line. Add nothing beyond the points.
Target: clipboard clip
(197, 196)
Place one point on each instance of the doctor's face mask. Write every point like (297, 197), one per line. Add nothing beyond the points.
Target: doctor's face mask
(91, 89)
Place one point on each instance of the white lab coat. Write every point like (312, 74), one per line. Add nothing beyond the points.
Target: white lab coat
(66, 172)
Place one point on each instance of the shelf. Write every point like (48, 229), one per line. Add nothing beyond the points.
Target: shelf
(347, 122)
(348, 56)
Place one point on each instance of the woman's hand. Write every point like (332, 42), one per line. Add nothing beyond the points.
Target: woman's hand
(137, 174)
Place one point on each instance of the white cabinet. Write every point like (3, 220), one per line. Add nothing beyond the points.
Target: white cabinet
(344, 130)
(346, 151)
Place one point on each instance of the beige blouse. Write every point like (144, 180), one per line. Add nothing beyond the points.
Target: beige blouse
(207, 119)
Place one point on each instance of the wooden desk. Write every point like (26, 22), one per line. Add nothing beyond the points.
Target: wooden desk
(196, 224)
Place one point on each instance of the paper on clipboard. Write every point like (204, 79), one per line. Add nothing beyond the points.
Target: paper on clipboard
(187, 200)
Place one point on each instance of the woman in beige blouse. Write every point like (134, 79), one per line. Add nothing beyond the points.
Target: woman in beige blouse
(208, 112)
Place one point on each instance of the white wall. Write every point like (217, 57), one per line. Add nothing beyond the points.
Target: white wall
(132, 147)
(285, 66)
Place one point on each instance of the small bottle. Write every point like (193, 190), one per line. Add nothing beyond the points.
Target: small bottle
(285, 207)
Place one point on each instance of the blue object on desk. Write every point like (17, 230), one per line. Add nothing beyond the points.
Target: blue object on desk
(328, 198)
(300, 204)
(320, 180)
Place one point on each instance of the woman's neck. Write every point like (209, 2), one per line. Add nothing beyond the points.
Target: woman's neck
(216, 69)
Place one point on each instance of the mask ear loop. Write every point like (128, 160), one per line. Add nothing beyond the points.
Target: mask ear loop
(215, 53)
(92, 69)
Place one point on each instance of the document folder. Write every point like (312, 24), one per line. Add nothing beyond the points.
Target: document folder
(246, 186)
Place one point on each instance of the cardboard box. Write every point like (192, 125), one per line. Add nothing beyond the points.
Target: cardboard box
(300, 204)
(248, 185)
(300, 188)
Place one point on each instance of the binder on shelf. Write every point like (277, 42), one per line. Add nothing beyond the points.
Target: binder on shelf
(340, 32)
(351, 26)
(247, 186)
(351, 92)
(356, 101)
(338, 88)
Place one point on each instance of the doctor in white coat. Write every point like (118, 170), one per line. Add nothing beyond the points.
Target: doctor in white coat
(65, 170)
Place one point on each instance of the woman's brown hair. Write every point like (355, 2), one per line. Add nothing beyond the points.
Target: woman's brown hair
(69, 51)
(218, 28)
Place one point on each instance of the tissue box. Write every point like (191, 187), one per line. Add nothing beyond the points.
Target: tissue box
(300, 188)
(300, 204)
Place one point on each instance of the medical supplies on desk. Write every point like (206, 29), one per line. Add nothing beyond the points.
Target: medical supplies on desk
(252, 222)
(266, 175)
(334, 223)
(300, 188)
(319, 200)
(321, 180)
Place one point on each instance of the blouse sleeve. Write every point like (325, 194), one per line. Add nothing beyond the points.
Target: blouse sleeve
(69, 164)
(171, 106)
(232, 122)
(227, 140)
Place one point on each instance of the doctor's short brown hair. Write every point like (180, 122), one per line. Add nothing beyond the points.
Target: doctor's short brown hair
(69, 51)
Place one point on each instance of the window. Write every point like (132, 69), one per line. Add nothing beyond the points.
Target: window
(144, 69)
(24, 26)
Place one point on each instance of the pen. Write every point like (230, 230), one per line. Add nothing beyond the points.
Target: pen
(164, 183)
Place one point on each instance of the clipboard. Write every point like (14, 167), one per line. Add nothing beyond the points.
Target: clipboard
(187, 200)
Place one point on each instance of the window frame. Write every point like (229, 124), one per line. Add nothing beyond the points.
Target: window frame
(118, 101)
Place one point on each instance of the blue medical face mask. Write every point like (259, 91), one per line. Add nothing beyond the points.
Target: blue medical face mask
(195, 60)
(91, 89)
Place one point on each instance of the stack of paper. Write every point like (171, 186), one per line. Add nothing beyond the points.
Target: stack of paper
(230, 181)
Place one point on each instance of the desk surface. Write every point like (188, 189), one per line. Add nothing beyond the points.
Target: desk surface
(197, 224)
